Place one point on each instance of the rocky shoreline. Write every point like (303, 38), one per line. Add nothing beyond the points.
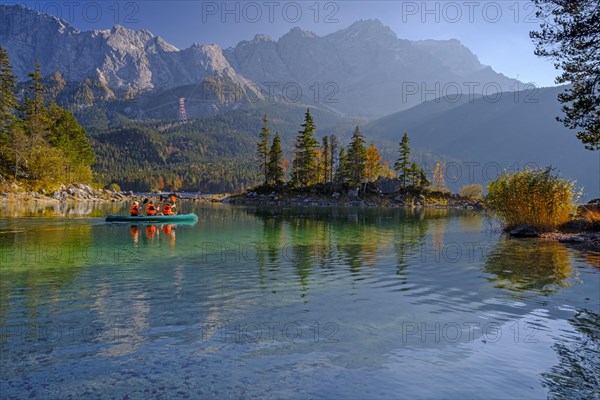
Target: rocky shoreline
(583, 239)
(353, 200)
(66, 193)
(573, 234)
(577, 232)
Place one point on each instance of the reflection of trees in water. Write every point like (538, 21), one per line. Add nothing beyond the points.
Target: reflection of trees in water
(43, 259)
(471, 221)
(67, 209)
(520, 265)
(272, 229)
(408, 236)
(306, 238)
(577, 374)
(329, 237)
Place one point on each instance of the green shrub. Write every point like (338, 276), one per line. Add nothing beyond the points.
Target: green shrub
(471, 191)
(114, 187)
(532, 197)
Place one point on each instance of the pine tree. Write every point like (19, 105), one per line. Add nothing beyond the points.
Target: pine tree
(342, 173)
(373, 164)
(262, 148)
(42, 143)
(304, 166)
(415, 176)
(68, 136)
(8, 106)
(35, 111)
(325, 159)
(570, 32)
(357, 158)
(423, 181)
(402, 165)
(333, 147)
(275, 171)
(8, 100)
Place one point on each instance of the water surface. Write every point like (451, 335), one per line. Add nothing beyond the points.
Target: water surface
(292, 303)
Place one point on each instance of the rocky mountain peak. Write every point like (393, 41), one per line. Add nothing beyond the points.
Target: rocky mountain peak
(260, 38)
(369, 29)
(298, 33)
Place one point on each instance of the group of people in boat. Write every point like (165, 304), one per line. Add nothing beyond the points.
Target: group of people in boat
(151, 209)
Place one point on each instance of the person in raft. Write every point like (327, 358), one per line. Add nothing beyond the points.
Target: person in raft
(135, 209)
(168, 209)
(151, 209)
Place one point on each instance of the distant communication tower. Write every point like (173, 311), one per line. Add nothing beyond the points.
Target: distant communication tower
(182, 113)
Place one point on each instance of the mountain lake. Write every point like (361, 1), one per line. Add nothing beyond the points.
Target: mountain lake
(353, 303)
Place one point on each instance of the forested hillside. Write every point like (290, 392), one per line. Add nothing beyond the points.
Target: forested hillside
(41, 144)
(213, 154)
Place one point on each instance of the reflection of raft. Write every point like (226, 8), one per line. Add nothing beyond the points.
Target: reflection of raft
(154, 218)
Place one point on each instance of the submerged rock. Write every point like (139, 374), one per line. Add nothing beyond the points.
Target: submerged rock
(525, 231)
(572, 239)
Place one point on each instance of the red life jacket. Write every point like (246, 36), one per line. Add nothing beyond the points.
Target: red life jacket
(135, 211)
(167, 210)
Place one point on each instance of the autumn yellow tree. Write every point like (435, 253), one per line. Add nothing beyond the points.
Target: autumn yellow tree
(439, 182)
(387, 170)
(373, 164)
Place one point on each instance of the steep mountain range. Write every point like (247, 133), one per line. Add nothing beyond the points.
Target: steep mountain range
(363, 70)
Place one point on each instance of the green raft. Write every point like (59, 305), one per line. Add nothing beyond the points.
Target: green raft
(154, 218)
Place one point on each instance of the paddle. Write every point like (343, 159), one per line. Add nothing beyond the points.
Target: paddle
(173, 199)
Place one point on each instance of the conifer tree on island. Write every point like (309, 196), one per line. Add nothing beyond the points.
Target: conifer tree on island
(326, 159)
(262, 148)
(402, 165)
(357, 158)
(333, 146)
(304, 166)
(275, 169)
(342, 174)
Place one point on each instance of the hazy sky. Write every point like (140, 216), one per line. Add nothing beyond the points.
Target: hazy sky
(496, 31)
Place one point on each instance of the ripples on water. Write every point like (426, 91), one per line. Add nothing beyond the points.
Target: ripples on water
(293, 302)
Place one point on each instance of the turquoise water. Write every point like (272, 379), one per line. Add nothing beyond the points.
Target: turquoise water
(292, 303)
